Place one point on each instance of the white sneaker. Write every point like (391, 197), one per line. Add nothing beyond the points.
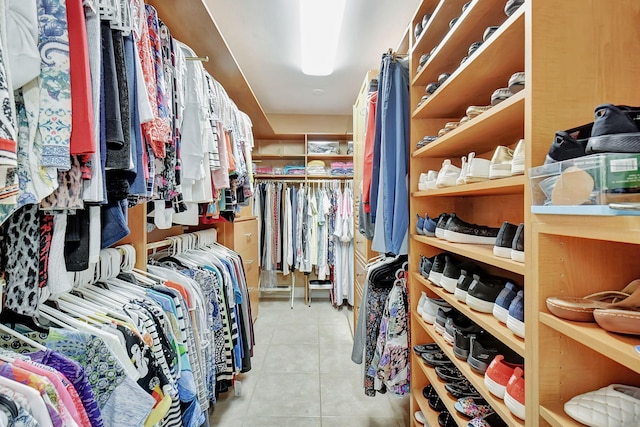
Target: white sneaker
(517, 164)
(432, 178)
(448, 175)
(501, 162)
(422, 182)
(421, 302)
(477, 170)
(463, 171)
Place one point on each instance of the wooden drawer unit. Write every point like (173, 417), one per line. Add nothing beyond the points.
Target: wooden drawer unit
(245, 235)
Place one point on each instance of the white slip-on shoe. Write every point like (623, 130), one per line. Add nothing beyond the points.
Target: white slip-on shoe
(463, 171)
(614, 405)
(517, 164)
(422, 182)
(432, 178)
(477, 170)
(501, 162)
(448, 175)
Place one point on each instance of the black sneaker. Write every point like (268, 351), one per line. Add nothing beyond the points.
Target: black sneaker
(439, 263)
(458, 231)
(473, 47)
(425, 265)
(517, 247)
(488, 32)
(441, 224)
(443, 78)
(482, 293)
(483, 350)
(512, 6)
(616, 129)
(569, 144)
(504, 241)
(464, 281)
(441, 318)
(450, 275)
(462, 324)
(462, 344)
(431, 87)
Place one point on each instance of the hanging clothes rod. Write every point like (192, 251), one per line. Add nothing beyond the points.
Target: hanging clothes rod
(276, 180)
(197, 58)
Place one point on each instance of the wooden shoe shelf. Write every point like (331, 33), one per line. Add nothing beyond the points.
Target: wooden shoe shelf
(576, 54)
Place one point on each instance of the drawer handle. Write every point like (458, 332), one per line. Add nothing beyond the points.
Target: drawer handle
(248, 234)
(251, 261)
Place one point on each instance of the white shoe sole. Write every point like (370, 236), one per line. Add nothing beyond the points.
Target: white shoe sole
(448, 284)
(514, 406)
(495, 388)
(515, 326)
(500, 171)
(435, 278)
(455, 237)
(429, 318)
(517, 256)
(440, 233)
(500, 313)
(479, 305)
(448, 338)
(422, 186)
(470, 179)
(460, 295)
(502, 252)
(517, 168)
(447, 182)
(439, 329)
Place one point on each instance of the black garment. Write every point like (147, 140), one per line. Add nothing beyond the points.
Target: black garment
(76, 241)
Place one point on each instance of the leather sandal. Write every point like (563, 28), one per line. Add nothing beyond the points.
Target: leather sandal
(620, 321)
(581, 309)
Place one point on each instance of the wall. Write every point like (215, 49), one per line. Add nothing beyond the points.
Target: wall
(284, 124)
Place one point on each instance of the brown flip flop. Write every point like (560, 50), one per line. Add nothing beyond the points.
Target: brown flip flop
(581, 309)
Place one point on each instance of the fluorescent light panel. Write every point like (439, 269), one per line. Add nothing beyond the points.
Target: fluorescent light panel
(320, 24)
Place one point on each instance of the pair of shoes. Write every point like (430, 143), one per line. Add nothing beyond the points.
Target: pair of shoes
(428, 181)
(425, 226)
(448, 175)
(500, 374)
(427, 139)
(503, 301)
(453, 271)
(467, 275)
(506, 162)
(613, 405)
(472, 407)
(615, 129)
(459, 231)
(515, 84)
(458, 322)
(614, 311)
(512, 6)
(510, 242)
(483, 292)
(432, 307)
(425, 266)
(421, 349)
(462, 388)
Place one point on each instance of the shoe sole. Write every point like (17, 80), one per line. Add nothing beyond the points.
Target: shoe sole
(444, 183)
(448, 284)
(460, 353)
(495, 388)
(500, 313)
(460, 295)
(435, 278)
(455, 237)
(517, 256)
(499, 171)
(514, 406)
(470, 179)
(615, 143)
(422, 187)
(440, 233)
(502, 252)
(429, 319)
(438, 327)
(428, 233)
(448, 337)
(517, 167)
(479, 305)
(515, 326)
(477, 365)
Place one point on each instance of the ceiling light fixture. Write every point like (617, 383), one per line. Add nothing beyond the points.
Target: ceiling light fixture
(320, 24)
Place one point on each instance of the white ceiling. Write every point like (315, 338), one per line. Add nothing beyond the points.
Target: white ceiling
(263, 35)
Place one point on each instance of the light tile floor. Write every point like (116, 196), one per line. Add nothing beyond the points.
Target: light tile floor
(302, 374)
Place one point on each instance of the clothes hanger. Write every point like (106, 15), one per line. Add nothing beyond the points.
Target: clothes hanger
(22, 338)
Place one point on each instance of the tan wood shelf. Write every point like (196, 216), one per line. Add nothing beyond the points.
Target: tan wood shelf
(493, 187)
(329, 156)
(438, 25)
(283, 177)
(423, 403)
(554, 414)
(471, 84)
(622, 229)
(500, 125)
(476, 379)
(486, 320)
(480, 253)
(448, 400)
(619, 348)
(329, 177)
(258, 156)
(455, 45)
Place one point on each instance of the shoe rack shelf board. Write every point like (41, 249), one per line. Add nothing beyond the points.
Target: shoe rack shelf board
(502, 124)
(455, 45)
(554, 414)
(486, 320)
(438, 384)
(493, 187)
(474, 378)
(471, 84)
(442, 13)
(480, 253)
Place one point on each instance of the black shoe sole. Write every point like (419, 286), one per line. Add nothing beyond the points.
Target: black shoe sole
(614, 143)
